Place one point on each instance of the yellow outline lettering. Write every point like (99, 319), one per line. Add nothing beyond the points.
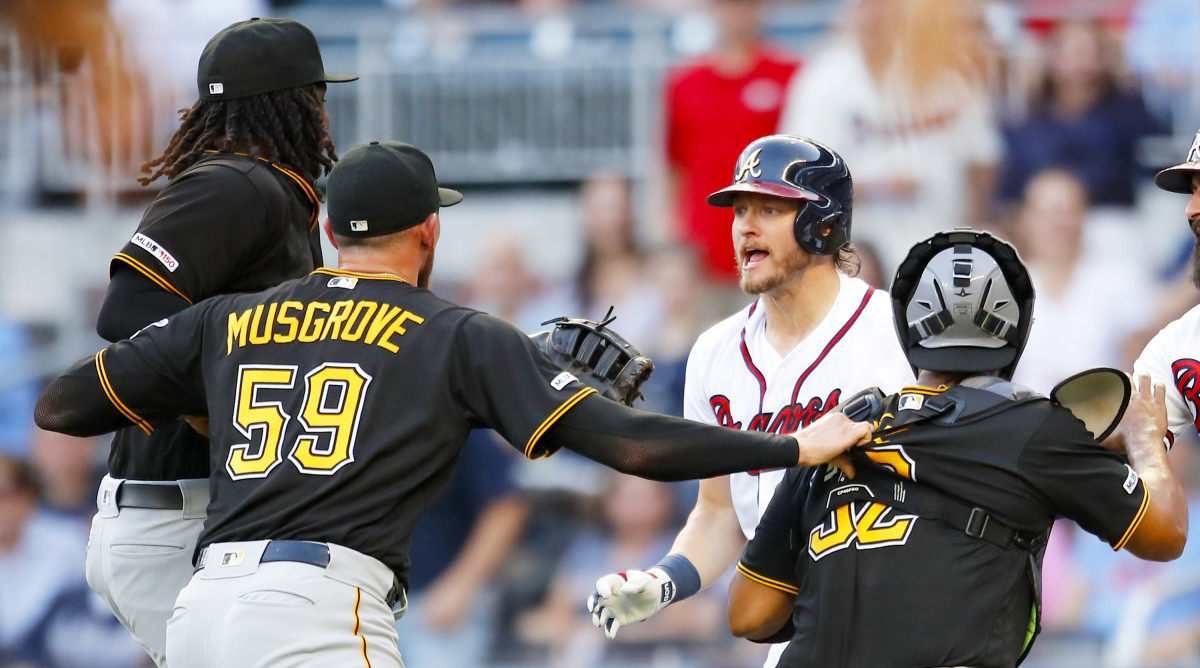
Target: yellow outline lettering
(292, 322)
(353, 333)
(237, 327)
(316, 323)
(397, 327)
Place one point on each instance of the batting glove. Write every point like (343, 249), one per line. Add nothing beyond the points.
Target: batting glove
(624, 598)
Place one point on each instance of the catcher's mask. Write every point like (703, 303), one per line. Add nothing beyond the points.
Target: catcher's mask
(963, 301)
(801, 169)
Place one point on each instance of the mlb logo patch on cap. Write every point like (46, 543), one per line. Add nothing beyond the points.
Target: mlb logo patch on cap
(216, 88)
(358, 226)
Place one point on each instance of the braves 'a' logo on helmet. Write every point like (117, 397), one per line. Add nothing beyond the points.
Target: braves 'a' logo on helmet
(1187, 381)
(1194, 152)
(749, 166)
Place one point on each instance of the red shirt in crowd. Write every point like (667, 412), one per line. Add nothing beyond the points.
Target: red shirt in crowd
(710, 119)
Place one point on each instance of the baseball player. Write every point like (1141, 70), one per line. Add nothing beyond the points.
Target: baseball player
(931, 555)
(238, 213)
(1171, 357)
(337, 405)
(814, 336)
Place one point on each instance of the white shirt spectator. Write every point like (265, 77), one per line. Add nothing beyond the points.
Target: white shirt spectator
(884, 138)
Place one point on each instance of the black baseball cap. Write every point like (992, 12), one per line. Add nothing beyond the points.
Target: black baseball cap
(261, 56)
(384, 187)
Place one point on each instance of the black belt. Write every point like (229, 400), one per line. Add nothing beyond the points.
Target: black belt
(142, 495)
(302, 552)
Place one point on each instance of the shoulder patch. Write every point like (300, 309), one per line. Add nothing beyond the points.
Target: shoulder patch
(561, 380)
(911, 402)
(1131, 480)
(154, 248)
(345, 282)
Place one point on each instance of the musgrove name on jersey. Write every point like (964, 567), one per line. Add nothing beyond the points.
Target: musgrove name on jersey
(350, 320)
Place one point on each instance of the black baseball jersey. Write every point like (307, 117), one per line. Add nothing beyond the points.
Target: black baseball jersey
(229, 223)
(875, 586)
(337, 403)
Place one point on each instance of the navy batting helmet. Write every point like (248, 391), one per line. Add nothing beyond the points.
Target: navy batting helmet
(1178, 179)
(798, 168)
(963, 301)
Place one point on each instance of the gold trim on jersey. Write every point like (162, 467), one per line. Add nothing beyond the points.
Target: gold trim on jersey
(549, 421)
(919, 389)
(112, 396)
(314, 200)
(358, 624)
(766, 581)
(357, 274)
(149, 273)
(1137, 519)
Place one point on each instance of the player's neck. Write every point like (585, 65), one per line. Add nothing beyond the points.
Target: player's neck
(795, 310)
(390, 264)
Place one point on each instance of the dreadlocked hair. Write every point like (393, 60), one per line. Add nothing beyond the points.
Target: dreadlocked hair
(286, 127)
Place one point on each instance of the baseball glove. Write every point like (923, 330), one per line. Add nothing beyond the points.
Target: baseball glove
(597, 355)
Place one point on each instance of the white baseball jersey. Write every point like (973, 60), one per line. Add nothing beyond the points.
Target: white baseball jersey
(1173, 358)
(735, 378)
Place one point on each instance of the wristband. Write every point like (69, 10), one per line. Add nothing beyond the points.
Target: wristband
(682, 573)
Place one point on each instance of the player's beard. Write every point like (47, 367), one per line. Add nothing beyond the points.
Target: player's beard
(1196, 262)
(426, 271)
(786, 267)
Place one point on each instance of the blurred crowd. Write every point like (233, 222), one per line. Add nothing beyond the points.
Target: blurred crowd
(1040, 120)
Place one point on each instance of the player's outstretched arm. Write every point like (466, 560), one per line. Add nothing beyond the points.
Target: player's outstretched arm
(1162, 531)
(662, 447)
(705, 548)
(75, 404)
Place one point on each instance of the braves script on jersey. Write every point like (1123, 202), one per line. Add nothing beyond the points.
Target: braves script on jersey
(736, 379)
(1173, 358)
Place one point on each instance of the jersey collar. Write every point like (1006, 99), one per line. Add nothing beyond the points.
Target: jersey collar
(357, 274)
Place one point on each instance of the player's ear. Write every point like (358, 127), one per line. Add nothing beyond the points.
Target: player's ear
(431, 230)
(329, 232)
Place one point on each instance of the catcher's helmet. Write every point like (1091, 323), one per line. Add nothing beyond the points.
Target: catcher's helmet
(1178, 179)
(963, 301)
(798, 168)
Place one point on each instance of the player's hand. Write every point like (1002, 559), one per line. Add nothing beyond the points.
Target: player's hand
(825, 441)
(621, 599)
(1145, 416)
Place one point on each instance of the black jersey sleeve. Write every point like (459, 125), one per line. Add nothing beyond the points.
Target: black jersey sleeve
(131, 302)
(75, 404)
(503, 381)
(151, 377)
(664, 447)
(197, 232)
(772, 556)
(1084, 481)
